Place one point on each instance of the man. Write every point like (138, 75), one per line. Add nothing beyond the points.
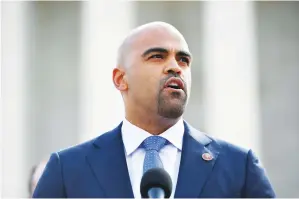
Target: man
(154, 77)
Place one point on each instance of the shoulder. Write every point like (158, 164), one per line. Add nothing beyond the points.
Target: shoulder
(230, 155)
(235, 153)
(75, 150)
(229, 148)
(223, 146)
(82, 149)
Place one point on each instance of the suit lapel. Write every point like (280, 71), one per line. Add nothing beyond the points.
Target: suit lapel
(108, 162)
(194, 170)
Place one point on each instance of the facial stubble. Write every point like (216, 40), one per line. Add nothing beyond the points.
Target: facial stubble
(170, 110)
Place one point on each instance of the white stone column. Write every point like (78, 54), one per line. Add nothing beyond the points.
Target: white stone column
(13, 95)
(230, 72)
(105, 23)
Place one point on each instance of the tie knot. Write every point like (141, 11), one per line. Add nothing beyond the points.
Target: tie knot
(154, 143)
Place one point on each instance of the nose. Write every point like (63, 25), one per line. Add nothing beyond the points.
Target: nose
(173, 67)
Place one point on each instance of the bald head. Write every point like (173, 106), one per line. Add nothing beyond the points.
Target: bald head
(148, 57)
(141, 34)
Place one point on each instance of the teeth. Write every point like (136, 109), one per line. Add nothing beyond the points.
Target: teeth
(173, 84)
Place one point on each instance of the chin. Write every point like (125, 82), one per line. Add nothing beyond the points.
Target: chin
(172, 110)
(173, 106)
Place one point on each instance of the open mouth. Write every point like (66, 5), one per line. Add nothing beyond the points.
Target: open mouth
(174, 83)
(174, 86)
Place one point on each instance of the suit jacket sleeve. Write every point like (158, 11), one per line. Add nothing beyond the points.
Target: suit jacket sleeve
(257, 184)
(50, 184)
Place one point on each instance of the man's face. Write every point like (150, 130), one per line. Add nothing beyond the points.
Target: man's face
(159, 75)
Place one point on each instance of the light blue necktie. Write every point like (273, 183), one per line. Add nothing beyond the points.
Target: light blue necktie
(152, 146)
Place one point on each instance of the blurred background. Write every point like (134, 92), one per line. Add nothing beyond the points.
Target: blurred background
(56, 78)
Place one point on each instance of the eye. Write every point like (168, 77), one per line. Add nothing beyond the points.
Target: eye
(156, 56)
(184, 59)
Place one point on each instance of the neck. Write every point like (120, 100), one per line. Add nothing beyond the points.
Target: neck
(153, 124)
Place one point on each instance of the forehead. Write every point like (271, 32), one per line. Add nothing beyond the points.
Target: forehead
(162, 37)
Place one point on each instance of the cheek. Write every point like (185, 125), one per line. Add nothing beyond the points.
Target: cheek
(151, 85)
(143, 83)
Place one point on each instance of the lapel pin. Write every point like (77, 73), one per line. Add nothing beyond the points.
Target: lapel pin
(207, 156)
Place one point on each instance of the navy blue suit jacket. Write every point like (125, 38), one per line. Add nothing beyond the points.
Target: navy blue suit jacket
(98, 169)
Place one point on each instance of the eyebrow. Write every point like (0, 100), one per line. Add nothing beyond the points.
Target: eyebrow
(164, 50)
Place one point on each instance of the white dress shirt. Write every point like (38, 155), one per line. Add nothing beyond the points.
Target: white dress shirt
(170, 154)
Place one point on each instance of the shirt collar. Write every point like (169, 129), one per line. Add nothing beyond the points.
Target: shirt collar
(133, 136)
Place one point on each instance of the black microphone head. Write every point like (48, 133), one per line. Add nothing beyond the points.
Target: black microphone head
(155, 178)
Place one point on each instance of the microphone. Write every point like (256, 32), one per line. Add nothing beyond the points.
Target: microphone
(156, 183)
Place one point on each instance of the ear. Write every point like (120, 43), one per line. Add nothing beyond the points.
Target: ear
(119, 79)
